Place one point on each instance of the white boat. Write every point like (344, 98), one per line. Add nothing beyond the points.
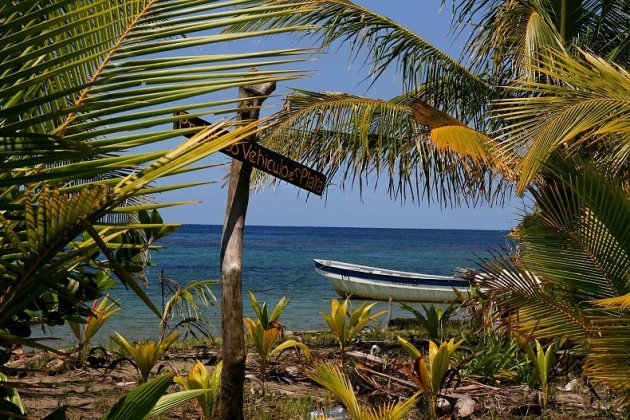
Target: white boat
(361, 281)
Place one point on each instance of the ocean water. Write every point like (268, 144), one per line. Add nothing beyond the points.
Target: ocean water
(278, 261)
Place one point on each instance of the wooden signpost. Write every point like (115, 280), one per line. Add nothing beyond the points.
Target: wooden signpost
(246, 155)
(266, 160)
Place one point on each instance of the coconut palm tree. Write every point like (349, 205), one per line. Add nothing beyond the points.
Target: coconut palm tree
(583, 112)
(443, 140)
(570, 276)
(509, 36)
(82, 83)
(573, 258)
(455, 122)
(420, 140)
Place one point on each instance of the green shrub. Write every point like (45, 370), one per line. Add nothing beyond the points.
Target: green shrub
(493, 358)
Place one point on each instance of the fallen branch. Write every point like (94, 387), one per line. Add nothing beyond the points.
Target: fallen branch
(384, 375)
(368, 357)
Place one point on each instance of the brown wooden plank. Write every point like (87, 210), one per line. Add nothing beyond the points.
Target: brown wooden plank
(266, 160)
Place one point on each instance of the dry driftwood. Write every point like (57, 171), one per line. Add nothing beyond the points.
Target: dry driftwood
(366, 357)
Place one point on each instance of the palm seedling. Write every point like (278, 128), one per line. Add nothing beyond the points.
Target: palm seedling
(265, 331)
(346, 325)
(334, 380)
(493, 357)
(543, 361)
(186, 303)
(200, 378)
(433, 318)
(137, 403)
(101, 312)
(145, 355)
(430, 373)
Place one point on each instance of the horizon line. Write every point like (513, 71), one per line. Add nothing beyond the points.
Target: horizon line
(351, 227)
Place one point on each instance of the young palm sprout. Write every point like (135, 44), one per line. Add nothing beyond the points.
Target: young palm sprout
(265, 330)
(429, 373)
(145, 355)
(346, 325)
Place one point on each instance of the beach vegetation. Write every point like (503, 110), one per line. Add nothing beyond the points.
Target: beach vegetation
(494, 358)
(10, 400)
(137, 403)
(200, 378)
(145, 354)
(265, 330)
(76, 95)
(187, 303)
(101, 311)
(86, 114)
(543, 361)
(346, 324)
(430, 373)
(433, 318)
(331, 377)
(546, 294)
(543, 108)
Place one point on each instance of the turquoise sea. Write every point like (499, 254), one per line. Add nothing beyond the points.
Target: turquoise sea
(277, 261)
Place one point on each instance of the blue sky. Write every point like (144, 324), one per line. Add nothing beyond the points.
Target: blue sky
(333, 71)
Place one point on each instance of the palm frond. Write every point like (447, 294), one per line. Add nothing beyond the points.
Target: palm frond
(392, 410)
(449, 85)
(582, 212)
(34, 236)
(588, 105)
(608, 359)
(574, 248)
(501, 30)
(621, 302)
(95, 73)
(537, 308)
(186, 302)
(79, 73)
(330, 377)
(423, 152)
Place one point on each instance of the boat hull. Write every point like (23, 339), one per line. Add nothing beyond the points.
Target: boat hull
(364, 290)
(381, 284)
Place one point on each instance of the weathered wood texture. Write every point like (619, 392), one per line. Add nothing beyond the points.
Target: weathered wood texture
(264, 159)
(233, 375)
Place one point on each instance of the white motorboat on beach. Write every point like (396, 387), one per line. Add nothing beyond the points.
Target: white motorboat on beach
(361, 281)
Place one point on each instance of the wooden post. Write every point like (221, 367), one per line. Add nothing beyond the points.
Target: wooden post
(230, 404)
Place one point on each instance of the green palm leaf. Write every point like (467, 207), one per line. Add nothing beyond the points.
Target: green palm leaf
(571, 275)
(187, 301)
(608, 359)
(588, 105)
(80, 85)
(138, 402)
(330, 377)
(449, 85)
(575, 248)
(91, 44)
(422, 151)
(506, 35)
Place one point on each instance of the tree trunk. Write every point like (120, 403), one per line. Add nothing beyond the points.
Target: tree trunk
(233, 374)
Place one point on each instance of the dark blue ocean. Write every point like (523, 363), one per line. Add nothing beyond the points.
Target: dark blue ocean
(278, 261)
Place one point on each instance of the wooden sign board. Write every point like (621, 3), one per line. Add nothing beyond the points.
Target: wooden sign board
(266, 160)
